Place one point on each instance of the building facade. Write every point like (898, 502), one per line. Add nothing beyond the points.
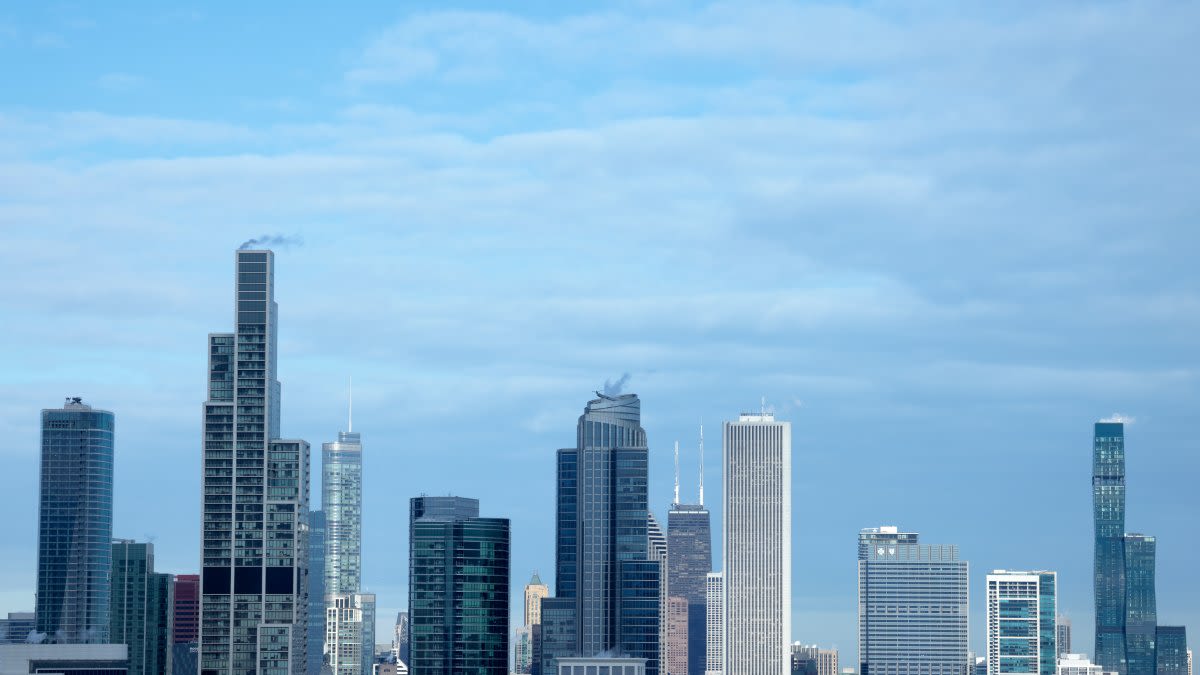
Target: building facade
(75, 510)
(349, 633)
(535, 592)
(458, 597)
(714, 619)
(601, 665)
(1108, 510)
(255, 494)
(689, 540)
(1022, 636)
(185, 609)
(1064, 635)
(349, 615)
(1141, 613)
(140, 608)
(757, 545)
(912, 606)
(1171, 652)
(1078, 664)
(657, 551)
(677, 640)
(315, 628)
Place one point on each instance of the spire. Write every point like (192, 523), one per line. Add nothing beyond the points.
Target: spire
(536, 580)
(701, 462)
(676, 473)
(350, 415)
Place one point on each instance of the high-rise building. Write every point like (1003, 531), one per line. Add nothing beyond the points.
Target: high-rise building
(812, 660)
(602, 561)
(349, 615)
(1189, 661)
(458, 588)
(689, 540)
(16, 628)
(757, 545)
(559, 632)
(1064, 635)
(677, 640)
(535, 592)
(185, 622)
(827, 662)
(1078, 664)
(349, 633)
(315, 628)
(657, 551)
(75, 513)
(1108, 507)
(140, 609)
(1021, 632)
(254, 552)
(714, 620)
(912, 606)
(1171, 652)
(400, 638)
(1141, 615)
(522, 650)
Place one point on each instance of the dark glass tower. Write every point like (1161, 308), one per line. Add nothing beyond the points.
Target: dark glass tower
(458, 588)
(141, 608)
(75, 524)
(315, 649)
(254, 549)
(1141, 614)
(689, 542)
(1171, 651)
(1108, 507)
(602, 543)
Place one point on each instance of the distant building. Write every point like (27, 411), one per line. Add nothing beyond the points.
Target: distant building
(522, 649)
(350, 644)
(559, 631)
(689, 540)
(714, 640)
(453, 553)
(400, 638)
(75, 512)
(912, 601)
(349, 632)
(1021, 629)
(535, 592)
(16, 628)
(140, 609)
(1108, 506)
(812, 660)
(827, 662)
(757, 550)
(185, 609)
(677, 642)
(1141, 614)
(1064, 635)
(314, 649)
(1078, 664)
(1189, 659)
(1171, 650)
(601, 666)
(64, 659)
(657, 550)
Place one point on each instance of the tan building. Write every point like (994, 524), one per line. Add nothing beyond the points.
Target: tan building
(677, 636)
(535, 590)
(827, 662)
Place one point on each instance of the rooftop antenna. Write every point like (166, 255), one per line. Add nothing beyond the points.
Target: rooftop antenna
(701, 462)
(350, 414)
(676, 473)
(764, 406)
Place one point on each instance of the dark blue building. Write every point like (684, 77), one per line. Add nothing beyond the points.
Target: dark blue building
(689, 543)
(1141, 615)
(458, 588)
(1171, 650)
(315, 629)
(75, 511)
(1108, 506)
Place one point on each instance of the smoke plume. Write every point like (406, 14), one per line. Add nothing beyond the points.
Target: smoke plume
(274, 240)
(615, 388)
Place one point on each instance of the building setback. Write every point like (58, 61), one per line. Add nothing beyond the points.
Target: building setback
(141, 608)
(1021, 630)
(912, 605)
(255, 491)
(75, 524)
(757, 545)
(458, 588)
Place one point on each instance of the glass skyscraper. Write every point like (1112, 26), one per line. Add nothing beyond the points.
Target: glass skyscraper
(602, 561)
(254, 549)
(912, 605)
(1141, 615)
(1021, 632)
(1171, 652)
(315, 628)
(1108, 508)
(458, 588)
(689, 542)
(349, 636)
(141, 608)
(75, 517)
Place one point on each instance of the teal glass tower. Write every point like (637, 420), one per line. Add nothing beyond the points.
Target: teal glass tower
(1021, 623)
(1108, 508)
(75, 518)
(255, 492)
(458, 588)
(1171, 651)
(141, 608)
(1141, 613)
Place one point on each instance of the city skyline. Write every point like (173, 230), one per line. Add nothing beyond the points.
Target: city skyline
(888, 221)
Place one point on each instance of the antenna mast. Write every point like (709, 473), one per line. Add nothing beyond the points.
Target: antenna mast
(350, 415)
(676, 473)
(701, 462)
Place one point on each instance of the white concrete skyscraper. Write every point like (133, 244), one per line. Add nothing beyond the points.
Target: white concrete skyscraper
(1021, 622)
(757, 545)
(714, 642)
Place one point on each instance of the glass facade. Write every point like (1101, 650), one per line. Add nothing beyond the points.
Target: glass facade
(1171, 651)
(458, 597)
(75, 524)
(341, 501)
(254, 549)
(1108, 508)
(1021, 615)
(141, 608)
(689, 540)
(315, 628)
(912, 609)
(1141, 615)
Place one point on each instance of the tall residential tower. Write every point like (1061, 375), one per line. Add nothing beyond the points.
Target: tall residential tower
(1108, 510)
(349, 614)
(1021, 634)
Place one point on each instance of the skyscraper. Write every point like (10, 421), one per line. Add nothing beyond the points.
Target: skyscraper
(602, 562)
(75, 510)
(185, 621)
(657, 551)
(400, 638)
(689, 540)
(1064, 635)
(458, 588)
(1108, 507)
(535, 592)
(315, 628)
(1171, 652)
(714, 620)
(254, 551)
(1021, 633)
(349, 632)
(912, 605)
(757, 545)
(1141, 615)
(140, 609)
(522, 650)
(349, 645)
(677, 641)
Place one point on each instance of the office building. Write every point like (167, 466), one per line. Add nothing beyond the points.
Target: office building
(812, 660)
(912, 606)
(64, 659)
(315, 628)
(757, 545)
(140, 608)
(458, 581)
(1171, 652)
(400, 638)
(16, 628)
(1141, 615)
(535, 592)
(677, 640)
(185, 608)
(349, 615)
(349, 633)
(1064, 635)
(602, 560)
(1021, 632)
(1108, 507)
(75, 524)
(1078, 664)
(689, 540)
(714, 624)
(601, 665)
(827, 662)
(522, 650)
(1189, 662)
(657, 551)
(559, 632)
(254, 552)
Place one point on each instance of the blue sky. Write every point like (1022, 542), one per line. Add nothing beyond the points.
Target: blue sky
(941, 239)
